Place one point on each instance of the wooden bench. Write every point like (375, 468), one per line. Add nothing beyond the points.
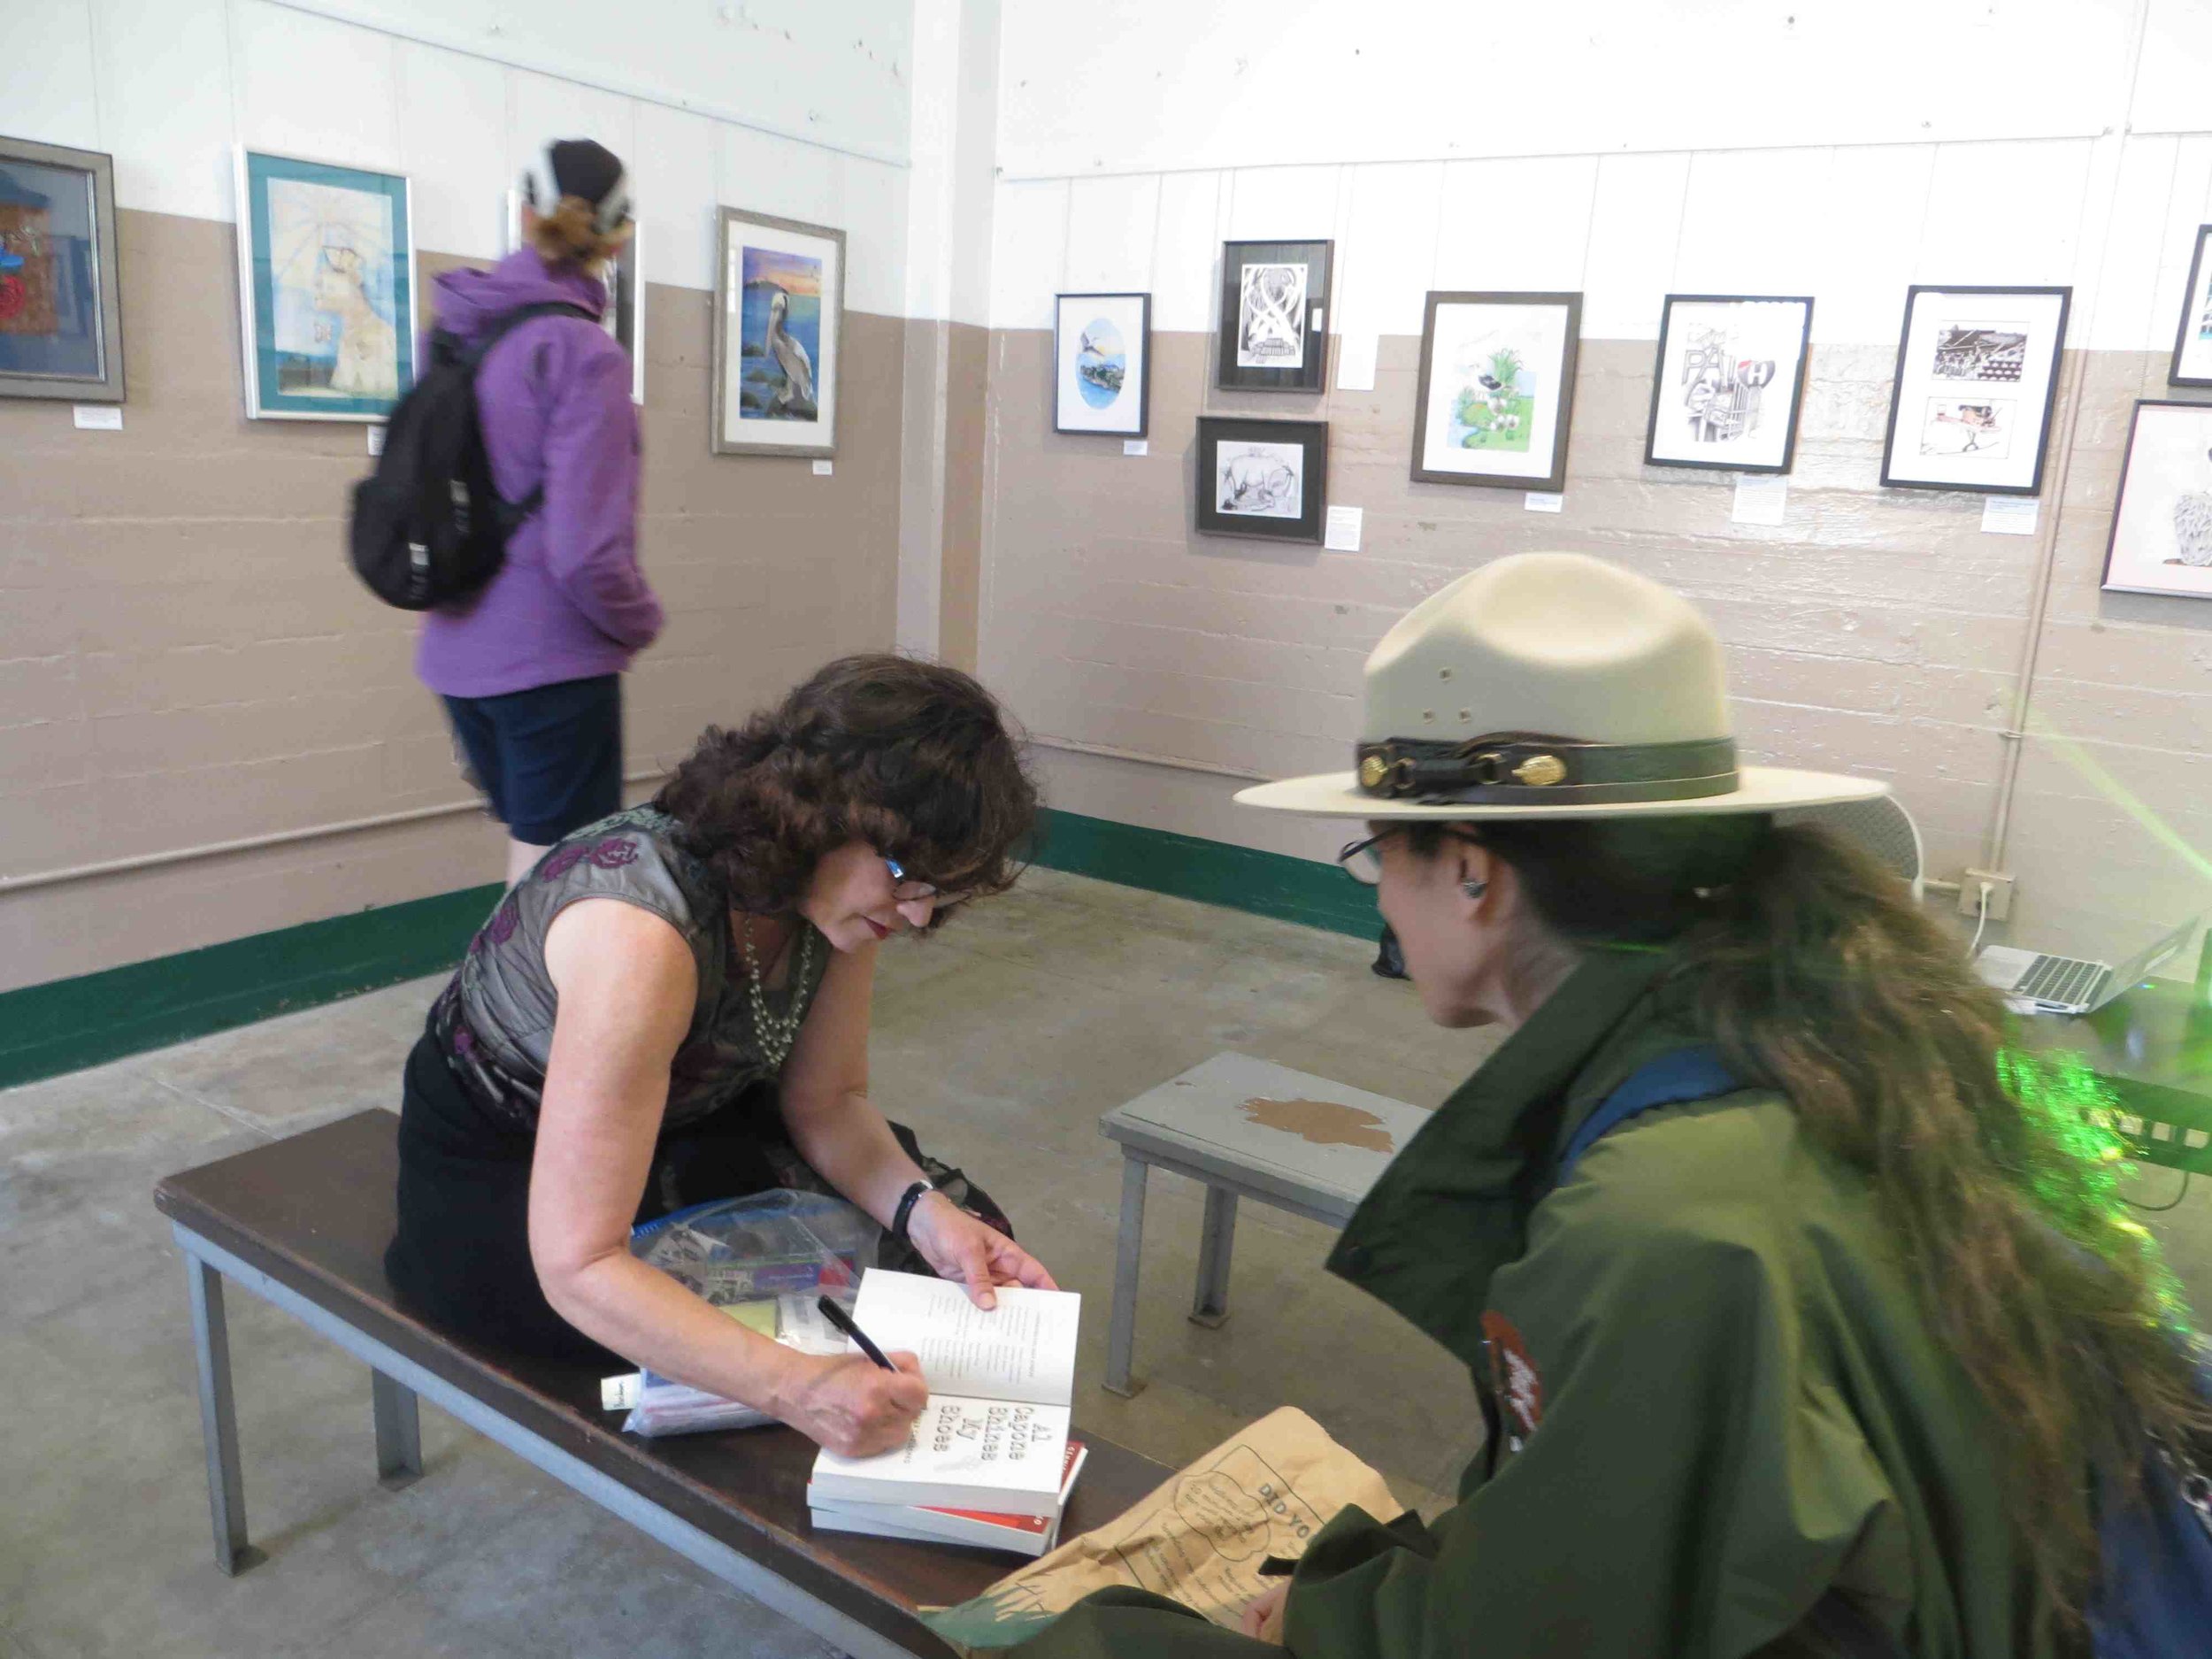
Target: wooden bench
(303, 1222)
(1251, 1129)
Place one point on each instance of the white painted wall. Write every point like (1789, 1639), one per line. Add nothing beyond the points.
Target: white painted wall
(168, 87)
(1134, 86)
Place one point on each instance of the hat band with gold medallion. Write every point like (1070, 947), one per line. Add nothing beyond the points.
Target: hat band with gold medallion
(1506, 767)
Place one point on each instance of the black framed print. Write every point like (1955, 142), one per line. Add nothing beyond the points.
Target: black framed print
(1497, 389)
(1102, 364)
(1729, 381)
(2161, 525)
(1263, 477)
(1274, 316)
(2192, 340)
(1976, 375)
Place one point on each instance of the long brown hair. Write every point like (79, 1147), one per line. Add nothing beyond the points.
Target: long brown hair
(915, 758)
(1814, 971)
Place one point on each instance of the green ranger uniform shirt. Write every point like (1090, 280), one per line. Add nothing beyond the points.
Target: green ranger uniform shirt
(1710, 1393)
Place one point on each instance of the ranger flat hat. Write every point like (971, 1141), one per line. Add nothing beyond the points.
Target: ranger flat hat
(1551, 685)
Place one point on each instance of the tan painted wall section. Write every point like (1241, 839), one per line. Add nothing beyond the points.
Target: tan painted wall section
(185, 657)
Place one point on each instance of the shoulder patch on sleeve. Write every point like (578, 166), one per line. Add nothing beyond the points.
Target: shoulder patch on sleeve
(1513, 1372)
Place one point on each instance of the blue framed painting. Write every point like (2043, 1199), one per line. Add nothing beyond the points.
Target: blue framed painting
(61, 322)
(326, 275)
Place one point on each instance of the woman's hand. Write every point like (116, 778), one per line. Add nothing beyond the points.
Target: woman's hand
(1264, 1615)
(852, 1405)
(959, 1247)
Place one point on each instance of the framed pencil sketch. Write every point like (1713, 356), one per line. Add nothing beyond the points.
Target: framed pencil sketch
(624, 280)
(779, 335)
(1263, 477)
(1102, 364)
(1497, 389)
(1274, 316)
(1976, 372)
(1729, 381)
(2161, 527)
(2193, 338)
(326, 280)
(61, 316)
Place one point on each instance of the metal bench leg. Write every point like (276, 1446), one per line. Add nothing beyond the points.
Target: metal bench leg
(218, 1421)
(399, 1434)
(1210, 1306)
(1121, 1338)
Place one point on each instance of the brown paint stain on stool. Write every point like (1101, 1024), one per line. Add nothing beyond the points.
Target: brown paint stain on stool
(1325, 1123)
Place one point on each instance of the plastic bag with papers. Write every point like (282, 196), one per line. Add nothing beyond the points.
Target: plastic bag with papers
(763, 1260)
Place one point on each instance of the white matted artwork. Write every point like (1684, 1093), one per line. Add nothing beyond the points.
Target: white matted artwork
(1259, 480)
(1101, 354)
(1977, 369)
(1729, 379)
(2162, 529)
(2192, 364)
(1497, 389)
(624, 280)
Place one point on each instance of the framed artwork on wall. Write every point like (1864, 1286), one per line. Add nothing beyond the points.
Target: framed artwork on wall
(1263, 477)
(1497, 389)
(779, 335)
(326, 281)
(2193, 338)
(624, 280)
(2161, 526)
(1729, 381)
(1102, 364)
(1977, 373)
(61, 319)
(1274, 316)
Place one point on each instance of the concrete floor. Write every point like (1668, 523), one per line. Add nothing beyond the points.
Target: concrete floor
(1001, 1040)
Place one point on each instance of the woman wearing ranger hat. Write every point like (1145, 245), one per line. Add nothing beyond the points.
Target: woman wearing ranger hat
(1816, 1355)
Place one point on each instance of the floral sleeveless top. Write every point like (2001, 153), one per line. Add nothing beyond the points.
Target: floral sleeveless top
(494, 1020)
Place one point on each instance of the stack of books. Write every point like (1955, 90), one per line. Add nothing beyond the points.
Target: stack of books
(989, 1461)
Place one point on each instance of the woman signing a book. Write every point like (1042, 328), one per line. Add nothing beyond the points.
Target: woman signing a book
(672, 1007)
(1803, 1321)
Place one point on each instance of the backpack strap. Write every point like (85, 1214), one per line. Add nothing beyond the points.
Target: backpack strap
(511, 514)
(1684, 1074)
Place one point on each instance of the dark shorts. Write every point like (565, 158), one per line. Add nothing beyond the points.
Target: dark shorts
(551, 758)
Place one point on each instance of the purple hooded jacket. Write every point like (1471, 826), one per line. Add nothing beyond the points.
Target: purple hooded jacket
(554, 401)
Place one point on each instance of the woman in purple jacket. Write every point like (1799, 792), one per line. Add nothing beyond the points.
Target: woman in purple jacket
(530, 666)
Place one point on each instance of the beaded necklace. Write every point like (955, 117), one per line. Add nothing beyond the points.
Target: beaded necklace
(776, 1032)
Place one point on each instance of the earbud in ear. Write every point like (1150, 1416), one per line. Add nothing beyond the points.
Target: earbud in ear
(1474, 889)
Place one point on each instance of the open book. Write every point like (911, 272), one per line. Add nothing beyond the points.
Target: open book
(995, 1434)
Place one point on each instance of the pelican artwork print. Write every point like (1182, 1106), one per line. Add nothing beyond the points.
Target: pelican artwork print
(1100, 345)
(780, 309)
(328, 263)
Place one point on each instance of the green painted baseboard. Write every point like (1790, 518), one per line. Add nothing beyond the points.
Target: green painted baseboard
(70, 1023)
(1265, 884)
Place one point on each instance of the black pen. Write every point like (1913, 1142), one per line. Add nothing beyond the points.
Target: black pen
(834, 1312)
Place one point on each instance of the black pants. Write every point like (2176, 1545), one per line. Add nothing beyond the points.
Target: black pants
(549, 759)
(462, 1256)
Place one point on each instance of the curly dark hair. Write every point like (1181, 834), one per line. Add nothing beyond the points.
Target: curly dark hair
(915, 758)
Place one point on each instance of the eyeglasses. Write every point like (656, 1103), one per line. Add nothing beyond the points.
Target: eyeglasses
(1363, 860)
(905, 892)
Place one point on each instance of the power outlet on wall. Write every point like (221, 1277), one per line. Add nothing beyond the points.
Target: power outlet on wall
(1971, 886)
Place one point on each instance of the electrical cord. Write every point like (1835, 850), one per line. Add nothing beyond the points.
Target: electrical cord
(2160, 1210)
(1982, 922)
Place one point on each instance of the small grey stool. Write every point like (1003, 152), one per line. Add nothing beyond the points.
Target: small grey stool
(1247, 1129)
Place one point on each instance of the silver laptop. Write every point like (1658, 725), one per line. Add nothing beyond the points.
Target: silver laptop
(2067, 985)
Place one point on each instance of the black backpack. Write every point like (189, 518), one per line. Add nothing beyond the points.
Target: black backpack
(427, 526)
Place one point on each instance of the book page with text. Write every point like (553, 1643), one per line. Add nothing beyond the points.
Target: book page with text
(1024, 1349)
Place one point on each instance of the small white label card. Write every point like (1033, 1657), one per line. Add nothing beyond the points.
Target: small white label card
(1344, 528)
(1319, 325)
(98, 417)
(2008, 515)
(1761, 500)
(1544, 501)
(376, 439)
(1135, 445)
(821, 469)
(1356, 363)
(620, 1394)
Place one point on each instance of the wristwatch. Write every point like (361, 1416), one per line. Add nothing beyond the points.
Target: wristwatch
(904, 1213)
